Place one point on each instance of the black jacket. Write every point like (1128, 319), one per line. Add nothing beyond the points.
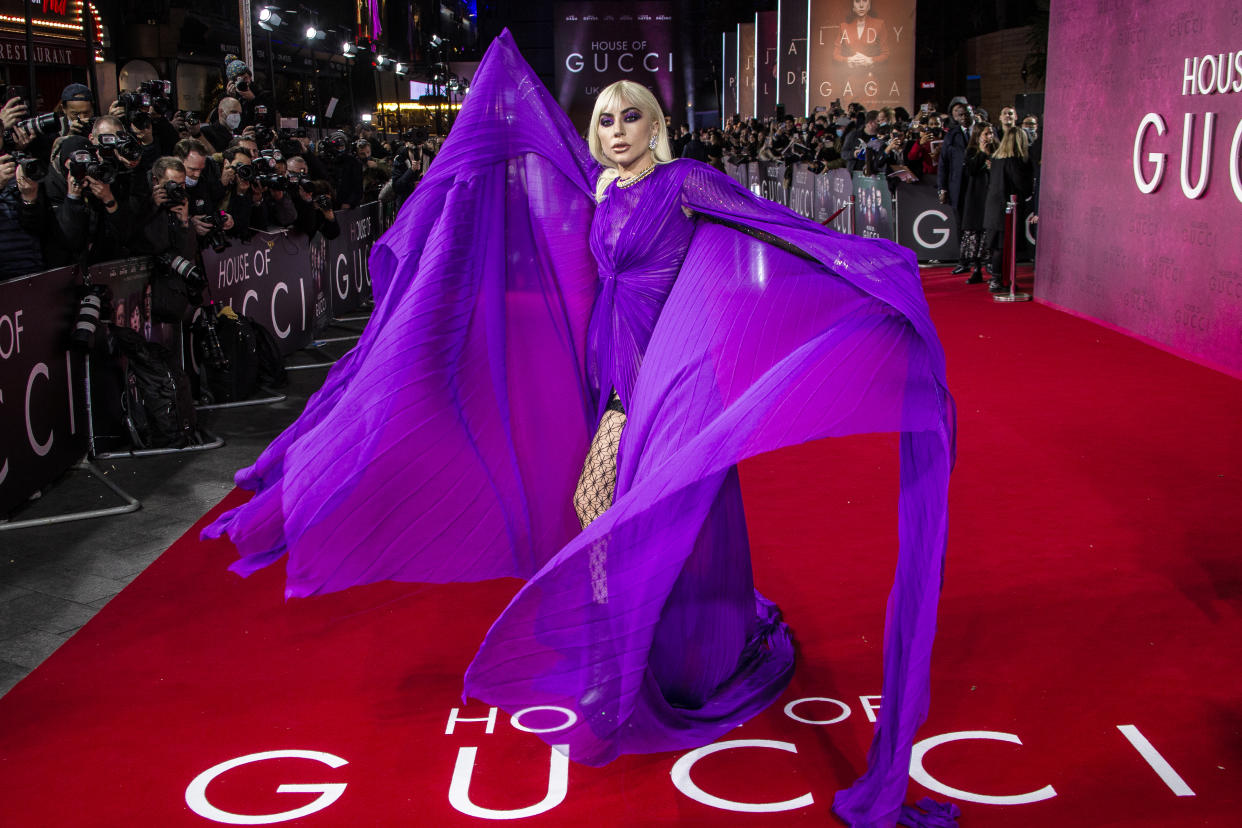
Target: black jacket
(952, 164)
(1010, 176)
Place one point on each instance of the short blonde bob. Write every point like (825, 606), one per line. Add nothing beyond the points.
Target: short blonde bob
(633, 94)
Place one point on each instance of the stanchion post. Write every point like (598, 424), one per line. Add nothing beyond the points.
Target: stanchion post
(850, 202)
(1009, 257)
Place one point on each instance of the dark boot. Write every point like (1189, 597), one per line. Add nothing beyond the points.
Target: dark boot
(961, 268)
(996, 286)
(976, 277)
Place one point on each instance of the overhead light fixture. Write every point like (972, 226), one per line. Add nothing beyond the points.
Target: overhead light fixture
(269, 18)
(400, 70)
(349, 50)
(311, 32)
(436, 41)
(366, 117)
(380, 60)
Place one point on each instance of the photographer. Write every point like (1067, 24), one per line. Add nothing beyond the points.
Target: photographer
(374, 174)
(257, 108)
(344, 170)
(202, 175)
(164, 225)
(77, 109)
(245, 180)
(20, 253)
(407, 169)
(227, 123)
(89, 223)
(313, 202)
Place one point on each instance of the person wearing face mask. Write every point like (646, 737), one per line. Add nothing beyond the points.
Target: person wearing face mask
(202, 175)
(226, 123)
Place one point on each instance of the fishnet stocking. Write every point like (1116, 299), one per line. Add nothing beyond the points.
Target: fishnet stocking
(598, 483)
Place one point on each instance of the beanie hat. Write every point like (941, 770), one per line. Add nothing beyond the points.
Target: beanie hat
(236, 69)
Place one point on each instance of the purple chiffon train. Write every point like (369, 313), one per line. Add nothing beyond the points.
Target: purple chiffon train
(446, 445)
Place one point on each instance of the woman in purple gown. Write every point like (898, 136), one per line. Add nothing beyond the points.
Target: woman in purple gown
(518, 293)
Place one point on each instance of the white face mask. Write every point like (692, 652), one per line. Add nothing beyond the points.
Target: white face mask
(232, 120)
(190, 182)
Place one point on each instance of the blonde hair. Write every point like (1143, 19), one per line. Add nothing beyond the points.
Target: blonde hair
(636, 95)
(1013, 144)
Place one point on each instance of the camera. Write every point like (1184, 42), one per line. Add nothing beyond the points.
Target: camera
(212, 351)
(94, 302)
(124, 145)
(334, 144)
(176, 193)
(302, 182)
(242, 86)
(191, 118)
(45, 124)
(273, 181)
(86, 162)
(215, 236)
(189, 273)
(31, 166)
(134, 100)
(264, 134)
(244, 172)
(323, 201)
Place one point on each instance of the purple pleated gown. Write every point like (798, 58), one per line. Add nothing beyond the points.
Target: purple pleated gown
(446, 446)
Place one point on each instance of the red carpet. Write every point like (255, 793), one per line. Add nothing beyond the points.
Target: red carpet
(1094, 582)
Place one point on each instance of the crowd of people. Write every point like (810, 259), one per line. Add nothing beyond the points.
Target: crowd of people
(81, 186)
(977, 164)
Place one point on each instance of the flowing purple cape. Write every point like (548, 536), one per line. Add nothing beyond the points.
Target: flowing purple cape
(446, 445)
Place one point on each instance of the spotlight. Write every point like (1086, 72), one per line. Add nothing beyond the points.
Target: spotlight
(311, 32)
(269, 18)
(400, 70)
(349, 50)
(436, 41)
(366, 117)
(380, 60)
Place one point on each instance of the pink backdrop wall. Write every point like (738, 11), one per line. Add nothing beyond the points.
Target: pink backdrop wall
(1165, 265)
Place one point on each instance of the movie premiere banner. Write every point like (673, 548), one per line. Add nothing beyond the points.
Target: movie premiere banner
(268, 279)
(728, 80)
(873, 207)
(747, 72)
(791, 55)
(600, 43)
(924, 225)
(129, 283)
(348, 279)
(802, 191)
(42, 408)
(867, 58)
(1141, 195)
(772, 178)
(833, 191)
(765, 62)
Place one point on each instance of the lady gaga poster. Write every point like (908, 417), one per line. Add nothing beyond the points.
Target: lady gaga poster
(861, 50)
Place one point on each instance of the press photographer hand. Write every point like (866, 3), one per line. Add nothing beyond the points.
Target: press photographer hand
(28, 188)
(102, 192)
(14, 110)
(8, 169)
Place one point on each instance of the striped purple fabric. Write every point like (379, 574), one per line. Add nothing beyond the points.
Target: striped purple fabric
(446, 445)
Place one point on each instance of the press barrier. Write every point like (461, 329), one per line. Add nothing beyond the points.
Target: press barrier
(61, 409)
(864, 205)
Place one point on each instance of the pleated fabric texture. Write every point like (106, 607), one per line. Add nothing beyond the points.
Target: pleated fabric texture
(446, 445)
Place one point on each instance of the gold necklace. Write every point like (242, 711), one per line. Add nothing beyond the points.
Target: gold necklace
(630, 182)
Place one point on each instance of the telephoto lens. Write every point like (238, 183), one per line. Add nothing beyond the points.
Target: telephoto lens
(213, 351)
(189, 273)
(92, 304)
